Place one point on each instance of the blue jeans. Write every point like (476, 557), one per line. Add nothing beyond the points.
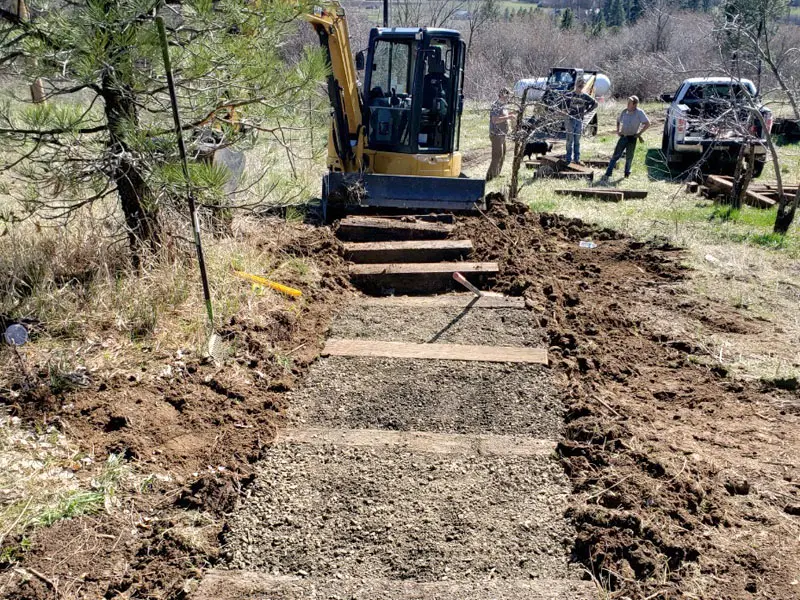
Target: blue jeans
(574, 129)
(626, 144)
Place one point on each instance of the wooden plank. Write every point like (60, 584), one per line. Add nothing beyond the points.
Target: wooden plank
(570, 175)
(718, 182)
(627, 194)
(607, 195)
(448, 218)
(488, 300)
(758, 200)
(373, 229)
(243, 585)
(576, 168)
(725, 185)
(420, 441)
(414, 251)
(422, 268)
(380, 349)
(418, 278)
(600, 163)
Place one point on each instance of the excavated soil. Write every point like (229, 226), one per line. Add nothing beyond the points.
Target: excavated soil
(199, 426)
(685, 480)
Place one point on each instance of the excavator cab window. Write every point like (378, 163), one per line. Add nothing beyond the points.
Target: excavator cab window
(390, 94)
(438, 95)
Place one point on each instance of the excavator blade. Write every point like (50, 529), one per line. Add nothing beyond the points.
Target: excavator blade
(404, 191)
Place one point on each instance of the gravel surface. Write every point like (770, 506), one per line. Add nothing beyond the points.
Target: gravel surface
(430, 395)
(238, 585)
(385, 512)
(344, 498)
(446, 325)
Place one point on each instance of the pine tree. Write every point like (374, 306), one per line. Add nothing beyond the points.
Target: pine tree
(617, 17)
(598, 24)
(104, 127)
(607, 9)
(634, 10)
(567, 19)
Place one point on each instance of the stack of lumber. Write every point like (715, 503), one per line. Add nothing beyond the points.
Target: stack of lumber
(557, 168)
(759, 195)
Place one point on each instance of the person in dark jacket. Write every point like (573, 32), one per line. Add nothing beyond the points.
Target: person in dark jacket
(576, 105)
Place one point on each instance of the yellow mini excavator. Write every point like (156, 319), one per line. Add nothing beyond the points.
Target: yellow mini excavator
(394, 142)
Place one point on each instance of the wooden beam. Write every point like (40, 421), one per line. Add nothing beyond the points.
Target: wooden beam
(381, 349)
(420, 441)
(600, 163)
(413, 251)
(489, 300)
(607, 195)
(375, 229)
(418, 278)
(758, 200)
(725, 185)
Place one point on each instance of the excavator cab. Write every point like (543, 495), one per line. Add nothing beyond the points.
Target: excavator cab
(394, 141)
(413, 94)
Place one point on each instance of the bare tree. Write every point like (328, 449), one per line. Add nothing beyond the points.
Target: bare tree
(748, 30)
(480, 13)
(428, 13)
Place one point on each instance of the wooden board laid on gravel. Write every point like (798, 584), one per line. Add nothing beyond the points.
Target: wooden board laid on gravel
(488, 300)
(422, 441)
(376, 348)
(374, 229)
(247, 585)
(411, 251)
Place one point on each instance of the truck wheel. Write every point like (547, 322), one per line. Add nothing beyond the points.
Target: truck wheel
(664, 141)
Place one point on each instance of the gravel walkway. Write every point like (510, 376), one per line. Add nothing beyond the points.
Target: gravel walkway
(342, 497)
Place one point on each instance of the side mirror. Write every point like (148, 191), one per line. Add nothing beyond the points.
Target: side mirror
(667, 98)
(361, 62)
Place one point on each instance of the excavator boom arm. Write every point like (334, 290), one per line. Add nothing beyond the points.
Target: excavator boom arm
(330, 25)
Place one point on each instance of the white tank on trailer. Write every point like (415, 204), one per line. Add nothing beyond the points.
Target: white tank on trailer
(601, 86)
(536, 85)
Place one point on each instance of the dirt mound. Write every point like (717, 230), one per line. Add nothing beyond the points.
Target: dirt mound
(654, 429)
(201, 425)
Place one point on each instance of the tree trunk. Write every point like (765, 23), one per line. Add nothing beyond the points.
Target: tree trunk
(136, 199)
(520, 137)
(786, 212)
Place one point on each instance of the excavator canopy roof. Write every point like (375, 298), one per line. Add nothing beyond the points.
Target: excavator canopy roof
(413, 31)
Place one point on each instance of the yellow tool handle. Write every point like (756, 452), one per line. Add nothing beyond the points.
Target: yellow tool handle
(274, 285)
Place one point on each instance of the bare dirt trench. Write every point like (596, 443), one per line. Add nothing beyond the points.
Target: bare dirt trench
(412, 478)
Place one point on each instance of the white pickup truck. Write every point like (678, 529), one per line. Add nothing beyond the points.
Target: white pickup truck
(709, 119)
